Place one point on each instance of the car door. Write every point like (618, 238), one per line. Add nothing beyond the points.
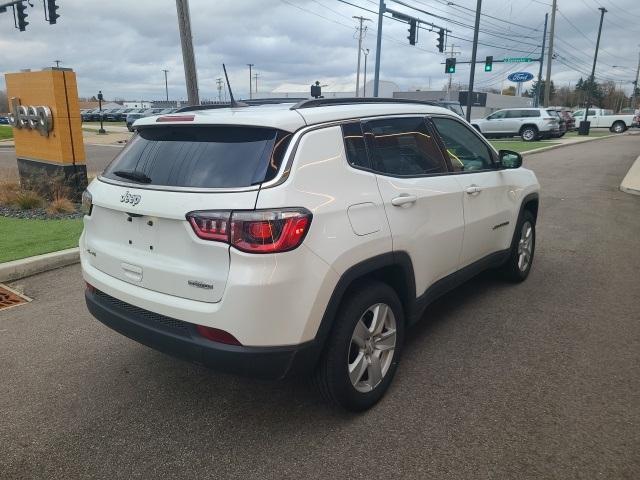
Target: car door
(487, 197)
(512, 122)
(422, 200)
(495, 123)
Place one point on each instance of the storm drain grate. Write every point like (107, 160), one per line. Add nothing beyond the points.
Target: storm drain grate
(10, 298)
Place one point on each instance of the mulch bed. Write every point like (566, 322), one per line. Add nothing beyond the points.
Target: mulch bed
(37, 213)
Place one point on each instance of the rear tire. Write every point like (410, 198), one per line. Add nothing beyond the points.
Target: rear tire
(618, 127)
(523, 246)
(362, 352)
(529, 134)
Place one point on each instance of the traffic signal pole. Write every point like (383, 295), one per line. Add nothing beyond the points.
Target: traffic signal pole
(544, 38)
(547, 82)
(188, 57)
(584, 130)
(474, 50)
(376, 73)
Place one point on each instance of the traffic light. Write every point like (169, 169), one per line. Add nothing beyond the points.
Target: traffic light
(51, 10)
(488, 64)
(440, 43)
(21, 13)
(450, 65)
(413, 27)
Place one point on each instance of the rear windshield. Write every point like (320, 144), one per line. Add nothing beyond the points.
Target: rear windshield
(200, 156)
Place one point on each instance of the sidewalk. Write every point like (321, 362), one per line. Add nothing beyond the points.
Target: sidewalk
(566, 141)
(631, 182)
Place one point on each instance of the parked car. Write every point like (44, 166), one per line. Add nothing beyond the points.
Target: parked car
(569, 120)
(131, 118)
(528, 123)
(454, 106)
(300, 239)
(4, 120)
(602, 118)
(118, 115)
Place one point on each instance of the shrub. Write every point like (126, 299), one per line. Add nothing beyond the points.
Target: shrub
(8, 192)
(61, 205)
(27, 199)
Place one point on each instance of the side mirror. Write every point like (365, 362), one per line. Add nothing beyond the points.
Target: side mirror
(509, 159)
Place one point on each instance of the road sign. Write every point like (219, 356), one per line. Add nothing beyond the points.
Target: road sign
(519, 77)
(517, 59)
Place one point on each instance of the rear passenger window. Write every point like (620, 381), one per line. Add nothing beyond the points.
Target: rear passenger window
(354, 145)
(467, 152)
(515, 114)
(403, 147)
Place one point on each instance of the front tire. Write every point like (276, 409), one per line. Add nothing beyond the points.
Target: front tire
(363, 349)
(529, 134)
(523, 246)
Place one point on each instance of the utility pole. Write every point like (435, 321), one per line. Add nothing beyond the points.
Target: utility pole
(188, 57)
(635, 86)
(544, 38)
(58, 63)
(376, 75)
(474, 50)
(584, 126)
(250, 77)
(166, 85)
(219, 87)
(547, 82)
(452, 53)
(255, 76)
(361, 31)
(364, 83)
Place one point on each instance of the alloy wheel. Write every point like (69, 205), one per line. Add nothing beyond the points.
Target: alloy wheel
(528, 134)
(525, 246)
(372, 347)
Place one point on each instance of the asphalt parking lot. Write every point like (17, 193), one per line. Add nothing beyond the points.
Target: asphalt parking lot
(538, 380)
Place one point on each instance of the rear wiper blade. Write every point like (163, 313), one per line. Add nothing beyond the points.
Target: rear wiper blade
(133, 175)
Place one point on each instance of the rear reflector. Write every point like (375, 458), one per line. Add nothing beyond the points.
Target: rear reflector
(176, 118)
(258, 231)
(217, 335)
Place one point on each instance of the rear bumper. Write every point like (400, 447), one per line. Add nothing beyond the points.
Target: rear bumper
(180, 339)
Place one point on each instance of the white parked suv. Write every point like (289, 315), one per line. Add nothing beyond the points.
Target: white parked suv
(281, 240)
(528, 123)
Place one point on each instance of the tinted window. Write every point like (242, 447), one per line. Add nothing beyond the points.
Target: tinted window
(204, 157)
(403, 146)
(466, 151)
(532, 113)
(515, 114)
(354, 145)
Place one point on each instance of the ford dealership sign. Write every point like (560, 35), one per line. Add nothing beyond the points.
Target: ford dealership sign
(520, 77)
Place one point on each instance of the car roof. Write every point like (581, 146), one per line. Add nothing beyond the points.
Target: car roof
(282, 116)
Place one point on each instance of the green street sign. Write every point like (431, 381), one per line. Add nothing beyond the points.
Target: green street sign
(517, 60)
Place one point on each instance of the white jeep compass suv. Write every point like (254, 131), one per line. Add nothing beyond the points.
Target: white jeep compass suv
(302, 239)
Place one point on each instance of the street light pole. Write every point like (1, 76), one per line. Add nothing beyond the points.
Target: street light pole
(166, 85)
(584, 126)
(474, 50)
(250, 77)
(364, 83)
(635, 86)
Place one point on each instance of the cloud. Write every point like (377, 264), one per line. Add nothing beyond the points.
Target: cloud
(121, 46)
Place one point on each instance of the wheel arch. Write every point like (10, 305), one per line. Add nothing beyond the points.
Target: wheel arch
(393, 268)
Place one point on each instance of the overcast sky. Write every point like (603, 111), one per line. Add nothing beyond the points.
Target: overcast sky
(121, 46)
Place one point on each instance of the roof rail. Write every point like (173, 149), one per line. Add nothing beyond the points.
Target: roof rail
(326, 102)
(252, 103)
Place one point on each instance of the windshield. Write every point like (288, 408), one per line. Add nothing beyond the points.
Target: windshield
(200, 156)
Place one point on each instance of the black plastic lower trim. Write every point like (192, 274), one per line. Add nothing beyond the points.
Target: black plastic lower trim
(180, 339)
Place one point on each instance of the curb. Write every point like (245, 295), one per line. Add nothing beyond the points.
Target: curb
(631, 182)
(553, 147)
(26, 267)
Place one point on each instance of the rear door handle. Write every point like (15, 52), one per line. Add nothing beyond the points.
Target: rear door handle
(403, 199)
(473, 190)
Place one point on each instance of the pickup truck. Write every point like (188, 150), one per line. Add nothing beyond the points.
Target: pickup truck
(601, 118)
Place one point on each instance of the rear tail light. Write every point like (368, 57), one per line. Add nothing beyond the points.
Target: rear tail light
(87, 202)
(259, 231)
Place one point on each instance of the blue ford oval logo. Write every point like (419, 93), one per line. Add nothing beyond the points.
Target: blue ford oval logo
(520, 77)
